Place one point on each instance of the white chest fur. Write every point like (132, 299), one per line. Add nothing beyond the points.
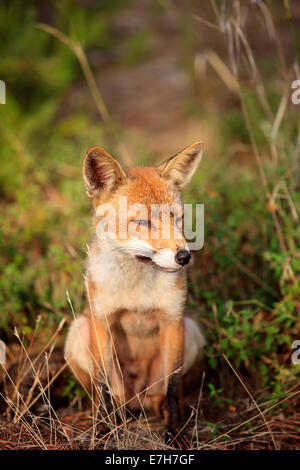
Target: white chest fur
(123, 283)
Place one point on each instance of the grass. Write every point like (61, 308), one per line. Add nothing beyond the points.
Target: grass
(244, 285)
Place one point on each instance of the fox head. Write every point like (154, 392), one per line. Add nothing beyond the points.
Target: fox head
(141, 208)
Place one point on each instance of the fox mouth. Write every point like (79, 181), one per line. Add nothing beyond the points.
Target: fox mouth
(143, 259)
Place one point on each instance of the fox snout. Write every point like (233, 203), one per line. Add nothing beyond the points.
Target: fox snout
(170, 260)
(182, 257)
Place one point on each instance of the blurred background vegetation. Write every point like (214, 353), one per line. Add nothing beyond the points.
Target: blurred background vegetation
(144, 78)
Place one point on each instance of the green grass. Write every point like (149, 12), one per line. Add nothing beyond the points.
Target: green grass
(244, 285)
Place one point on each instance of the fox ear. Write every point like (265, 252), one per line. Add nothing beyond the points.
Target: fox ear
(101, 171)
(178, 170)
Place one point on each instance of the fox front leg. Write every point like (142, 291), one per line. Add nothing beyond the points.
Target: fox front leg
(172, 344)
(101, 352)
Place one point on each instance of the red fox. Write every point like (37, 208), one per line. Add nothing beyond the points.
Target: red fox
(134, 345)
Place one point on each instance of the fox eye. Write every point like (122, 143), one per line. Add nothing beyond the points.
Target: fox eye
(179, 220)
(145, 223)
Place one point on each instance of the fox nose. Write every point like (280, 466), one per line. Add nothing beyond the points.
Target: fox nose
(182, 257)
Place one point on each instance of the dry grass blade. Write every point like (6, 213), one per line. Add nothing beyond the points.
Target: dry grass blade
(76, 47)
(252, 398)
(36, 437)
(209, 444)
